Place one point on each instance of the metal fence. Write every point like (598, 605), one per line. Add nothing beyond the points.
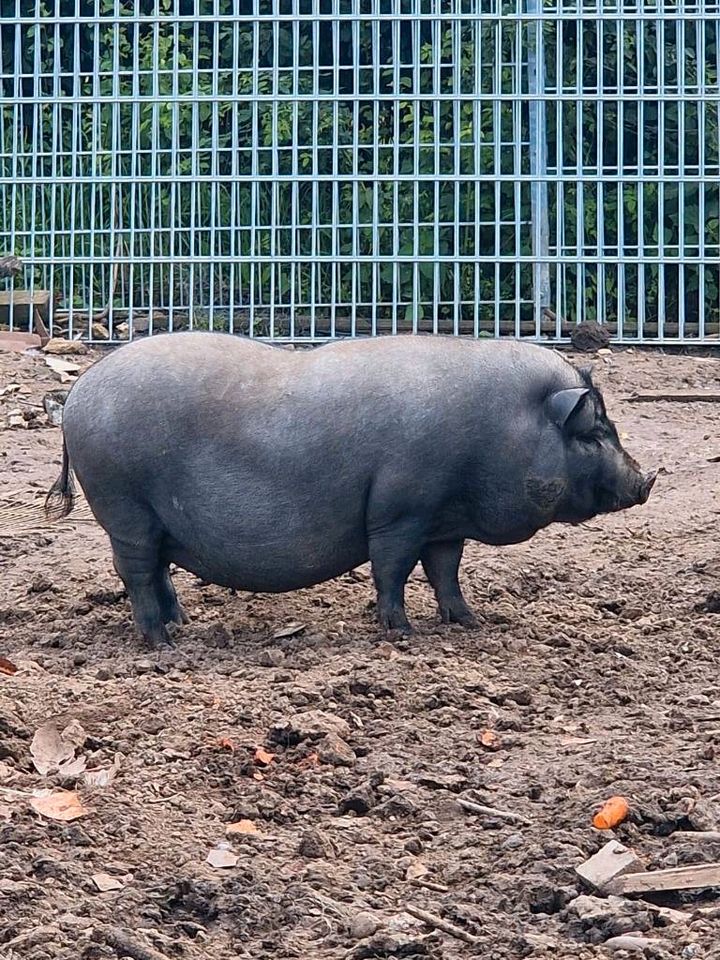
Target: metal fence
(305, 169)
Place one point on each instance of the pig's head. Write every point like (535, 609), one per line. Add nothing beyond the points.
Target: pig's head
(600, 476)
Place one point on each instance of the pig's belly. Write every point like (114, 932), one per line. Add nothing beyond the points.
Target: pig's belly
(275, 564)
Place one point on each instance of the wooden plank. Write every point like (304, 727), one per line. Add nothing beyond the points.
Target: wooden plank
(23, 304)
(24, 298)
(676, 396)
(676, 878)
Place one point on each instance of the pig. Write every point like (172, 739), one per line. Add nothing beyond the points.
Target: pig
(269, 470)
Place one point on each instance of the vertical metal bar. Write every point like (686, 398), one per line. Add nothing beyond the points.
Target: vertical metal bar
(538, 165)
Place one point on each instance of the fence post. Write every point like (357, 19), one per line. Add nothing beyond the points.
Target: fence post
(538, 164)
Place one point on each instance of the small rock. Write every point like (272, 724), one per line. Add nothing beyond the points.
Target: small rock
(399, 807)
(309, 725)
(57, 345)
(598, 919)
(99, 332)
(513, 842)
(54, 404)
(364, 925)
(144, 666)
(392, 945)
(634, 943)
(40, 584)
(414, 846)
(221, 858)
(104, 882)
(16, 420)
(79, 659)
(705, 815)
(360, 800)
(588, 337)
(332, 749)
(272, 657)
(611, 861)
(104, 673)
(315, 846)
(447, 810)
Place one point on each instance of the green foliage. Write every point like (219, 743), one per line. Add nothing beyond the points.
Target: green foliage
(222, 111)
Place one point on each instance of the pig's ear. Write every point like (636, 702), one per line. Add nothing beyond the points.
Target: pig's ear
(571, 409)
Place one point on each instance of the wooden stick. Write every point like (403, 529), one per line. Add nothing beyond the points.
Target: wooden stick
(679, 396)
(702, 836)
(439, 924)
(430, 885)
(473, 807)
(123, 946)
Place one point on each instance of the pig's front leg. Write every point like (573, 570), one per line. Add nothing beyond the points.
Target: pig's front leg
(441, 562)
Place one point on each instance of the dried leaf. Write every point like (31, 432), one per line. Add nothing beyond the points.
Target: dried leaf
(489, 740)
(258, 776)
(263, 757)
(7, 667)
(60, 805)
(73, 768)
(102, 776)
(416, 870)
(49, 750)
(222, 859)
(225, 743)
(289, 631)
(241, 826)
(104, 882)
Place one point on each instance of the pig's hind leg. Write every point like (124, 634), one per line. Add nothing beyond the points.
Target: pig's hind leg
(137, 556)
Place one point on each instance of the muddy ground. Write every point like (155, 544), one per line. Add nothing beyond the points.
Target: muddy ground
(593, 673)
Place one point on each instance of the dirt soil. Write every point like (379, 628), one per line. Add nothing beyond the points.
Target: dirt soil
(594, 672)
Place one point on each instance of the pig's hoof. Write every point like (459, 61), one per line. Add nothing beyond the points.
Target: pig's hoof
(395, 621)
(460, 615)
(179, 616)
(158, 639)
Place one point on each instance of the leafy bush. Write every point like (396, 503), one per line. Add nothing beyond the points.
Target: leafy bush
(189, 144)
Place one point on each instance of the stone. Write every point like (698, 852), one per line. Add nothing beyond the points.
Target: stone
(333, 750)
(588, 337)
(611, 861)
(634, 943)
(316, 846)
(597, 919)
(58, 345)
(364, 925)
(308, 725)
(360, 800)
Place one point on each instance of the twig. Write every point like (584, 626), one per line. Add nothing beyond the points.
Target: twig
(123, 946)
(430, 885)
(439, 924)
(473, 807)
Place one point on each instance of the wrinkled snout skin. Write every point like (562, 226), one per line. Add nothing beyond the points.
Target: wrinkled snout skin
(268, 470)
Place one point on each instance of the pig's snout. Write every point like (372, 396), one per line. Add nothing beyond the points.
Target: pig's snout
(646, 486)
